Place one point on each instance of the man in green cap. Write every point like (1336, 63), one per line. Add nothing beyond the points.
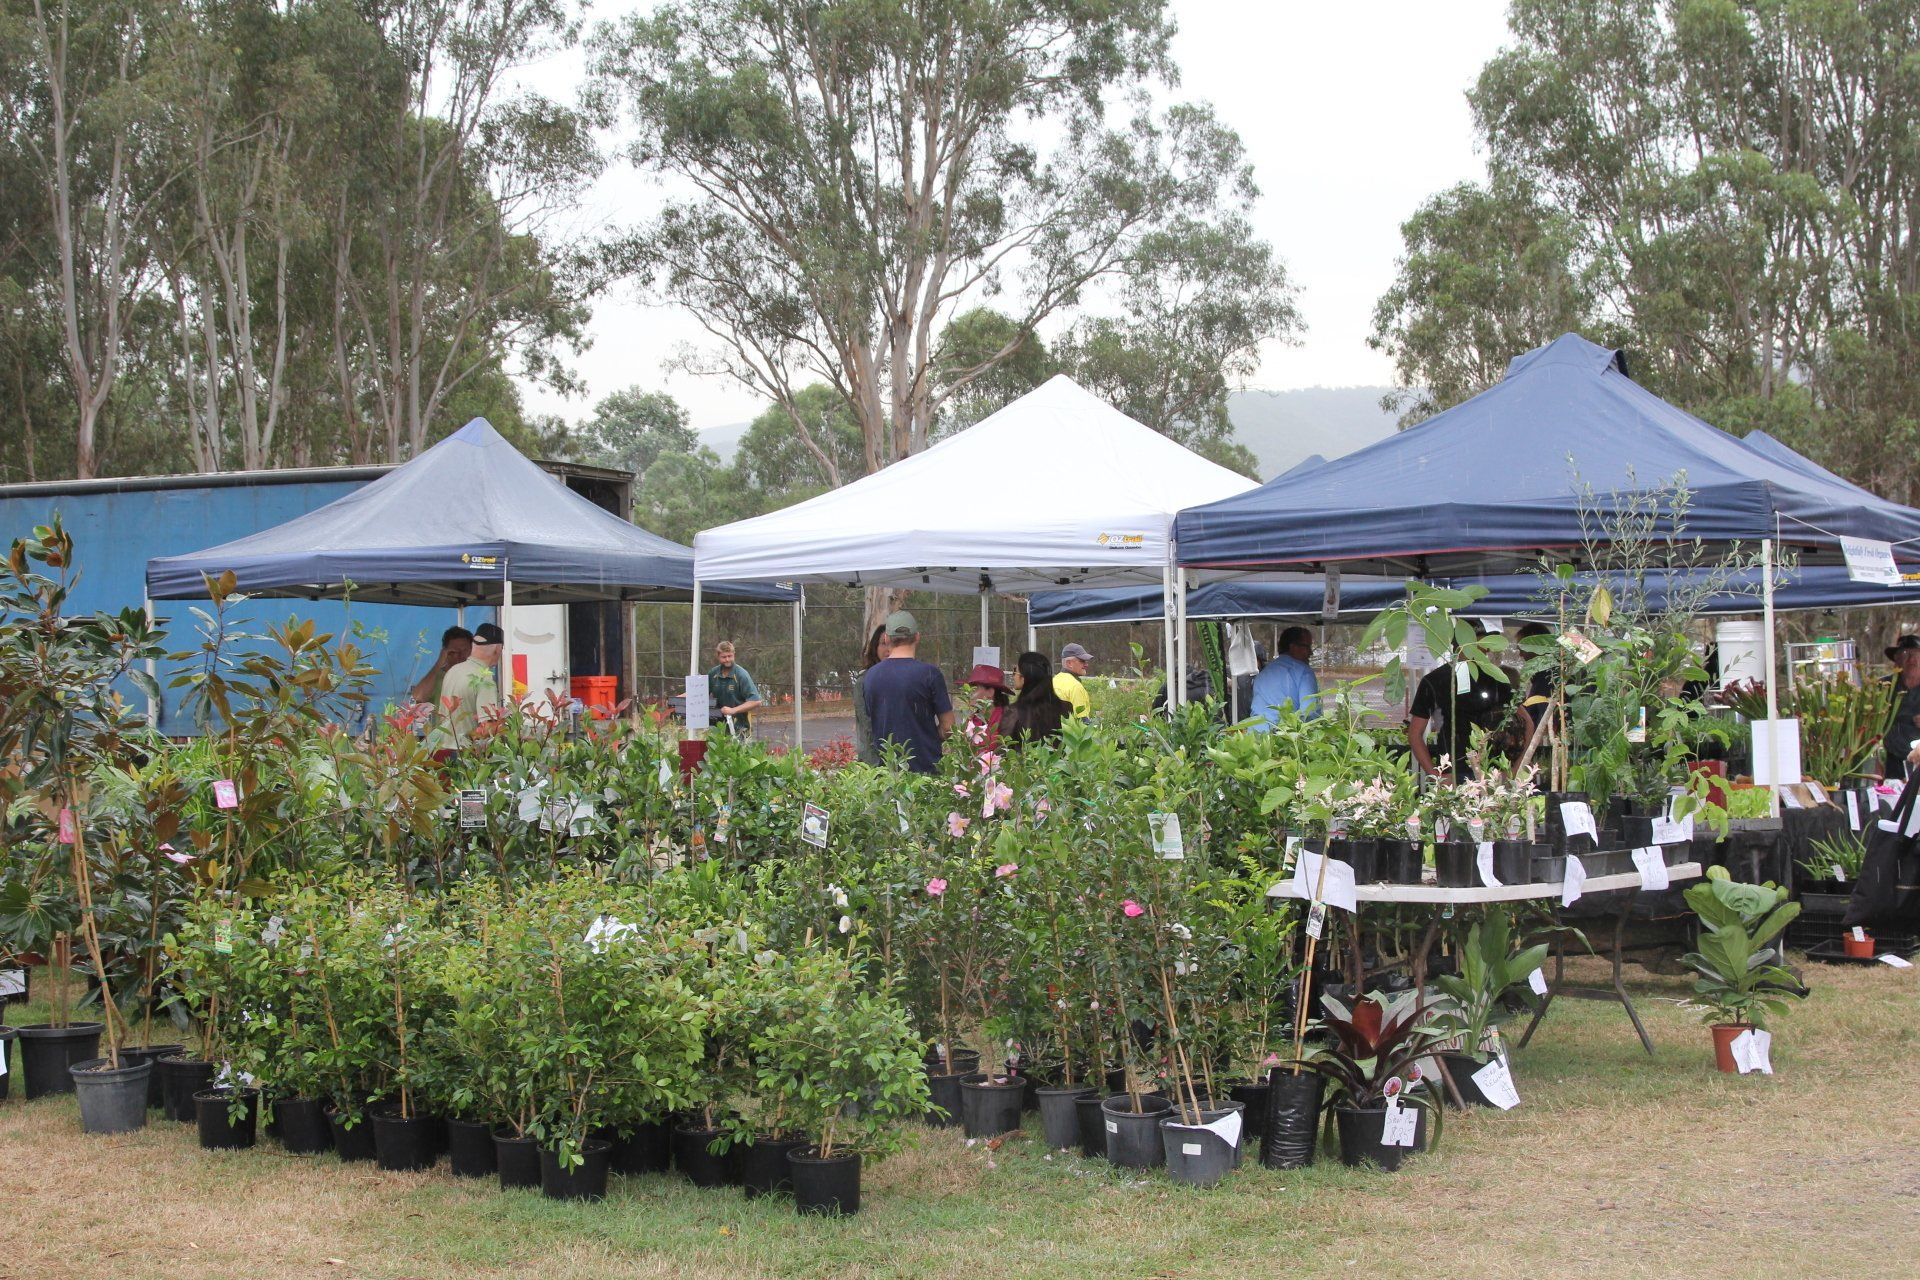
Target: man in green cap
(906, 698)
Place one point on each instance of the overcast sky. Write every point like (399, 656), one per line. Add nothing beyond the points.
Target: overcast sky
(1352, 114)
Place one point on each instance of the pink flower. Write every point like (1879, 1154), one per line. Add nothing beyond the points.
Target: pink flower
(960, 789)
(1005, 869)
(999, 796)
(1043, 805)
(957, 825)
(988, 759)
(182, 858)
(1130, 909)
(936, 886)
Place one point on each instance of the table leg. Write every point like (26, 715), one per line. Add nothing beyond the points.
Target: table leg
(1559, 972)
(1619, 986)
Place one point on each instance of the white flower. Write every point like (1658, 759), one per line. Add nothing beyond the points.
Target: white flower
(839, 895)
(1181, 932)
(846, 924)
(766, 957)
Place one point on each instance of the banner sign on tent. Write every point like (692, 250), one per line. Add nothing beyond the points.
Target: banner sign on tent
(1870, 561)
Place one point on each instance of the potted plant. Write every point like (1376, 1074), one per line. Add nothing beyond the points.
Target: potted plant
(1491, 967)
(1371, 1064)
(1737, 980)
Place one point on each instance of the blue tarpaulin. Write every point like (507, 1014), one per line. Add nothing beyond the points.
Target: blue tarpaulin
(450, 528)
(1490, 484)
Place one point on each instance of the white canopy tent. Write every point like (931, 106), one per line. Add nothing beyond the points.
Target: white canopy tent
(1058, 489)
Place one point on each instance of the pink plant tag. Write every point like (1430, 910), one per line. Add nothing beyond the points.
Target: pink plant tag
(225, 794)
(67, 831)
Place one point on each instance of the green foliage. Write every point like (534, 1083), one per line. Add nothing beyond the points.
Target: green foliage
(1491, 966)
(1738, 980)
(1841, 721)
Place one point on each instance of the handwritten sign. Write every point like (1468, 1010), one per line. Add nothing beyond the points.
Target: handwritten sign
(1571, 885)
(1495, 1082)
(1652, 866)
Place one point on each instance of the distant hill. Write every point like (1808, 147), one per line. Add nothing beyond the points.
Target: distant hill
(1282, 427)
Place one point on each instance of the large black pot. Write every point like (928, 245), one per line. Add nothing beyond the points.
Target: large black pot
(959, 1063)
(1636, 826)
(1556, 829)
(180, 1078)
(517, 1160)
(1252, 1095)
(470, 1149)
(945, 1092)
(301, 1126)
(763, 1166)
(1357, 853)
(1195, 1155)
(1461, 1067)
(404, 1144)
(696, 1162)
(1092, 1124)
(585, 1181)
(47, 1055)
(219, 1131)
(1133, 1137)
(989, 1108)
(1059, 1117)
(1512, 862)
(1456, 864)
(1399, 861)
(133, 1055)
(353, 1142)
(1360, 1130)
(1293, 1118)
(830, 1186)
(112, 1100)
(644, 1148)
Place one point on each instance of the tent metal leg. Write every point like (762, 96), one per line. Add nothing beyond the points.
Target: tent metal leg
(693, 654)
(506, 645)
(1180, 631)
(799, 680)
(1773, 684)
(985, 627)
(1166, 633)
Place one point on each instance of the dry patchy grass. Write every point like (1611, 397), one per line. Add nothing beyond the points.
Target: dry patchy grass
(1618, 1165)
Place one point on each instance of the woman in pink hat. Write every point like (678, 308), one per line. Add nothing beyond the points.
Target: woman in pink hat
(983, 726)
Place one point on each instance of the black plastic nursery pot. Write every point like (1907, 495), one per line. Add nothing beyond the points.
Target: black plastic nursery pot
(404, 1144)
(1133, 1137)
(1360, 1129)
(1398, 861)
(351, 1142)
(180, 1078)
(1556, 830)
(219, 1131)
(1196, 1155)
(1456, 864)
(644, 1148)
(470, 1149)
(696, 1162)
(301, 1126)
(1636, 827)
(1252, 1095)
(829, 1186)
(1461, 1067)
(1293, 1118)
(1512, 861)
(945, 1092)
(47, 1055)
(1060, 1118)
(7, 1036)
(1091, 1121)
(585, 1181)
(1356, 853)
(959, 1062)
(763, 1166)
(990, 1107)
(151, 1053)
(515, 1160)
(111, 1100)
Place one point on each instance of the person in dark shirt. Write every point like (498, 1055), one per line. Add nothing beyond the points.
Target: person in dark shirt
(731, 692)
(1486, 704)
(907, 702)
(1036, 714)
(1903, 705)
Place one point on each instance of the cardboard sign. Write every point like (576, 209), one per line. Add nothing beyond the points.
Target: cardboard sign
(1653, 868)
(986, 655)
(814, 824)
(699, 703)
(1495, 1081)
(1570, 887)
(1166, 835)
(225, 794)
(473, 810)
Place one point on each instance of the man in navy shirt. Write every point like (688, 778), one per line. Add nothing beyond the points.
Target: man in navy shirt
(907, 699)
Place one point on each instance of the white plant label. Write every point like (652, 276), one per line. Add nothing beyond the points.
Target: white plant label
(1789, 799)
(1317, 920)
(814, 824)
(699, 701)
(1853, 810)
(1570, 887)
(1653, 868)
(1538, 981)
(1839, 873)
(1190, 1148)
(1668, 831)
(664, 775)
(1859, 933)
(1483, 858)
(1167, 841)
(1337, 890)
(1496, 1082)
(1112, 1127)
(1750, 1052)
(473, 810)
(1402, 1127)
(1819, 792)
(1462, 677)
(1895, 961)
(1576, 819)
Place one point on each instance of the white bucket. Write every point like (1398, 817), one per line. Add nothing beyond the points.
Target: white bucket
(1742, 645)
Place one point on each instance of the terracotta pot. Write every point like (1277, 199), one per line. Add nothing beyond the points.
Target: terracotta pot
(1723, 1038)
(1857, 948)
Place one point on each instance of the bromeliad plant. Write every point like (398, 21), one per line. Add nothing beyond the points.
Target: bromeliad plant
(1377, 1042)
(1738, 981)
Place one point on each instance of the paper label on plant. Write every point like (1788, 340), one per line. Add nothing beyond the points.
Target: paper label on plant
(721, 823)
(1576, 819)
(1579, 646)
(1402, 1126)
(1853, 810)
(814, 823)
(473, 810)
(1336, 887)
(1112, 1127)
(1190, 1148)
(1167, 842)
(1317, 920)
(1789, 799)
(1668, 831)
(1653, 868)
(899, 808)
(223, 937)
(68, 831)
(1859, 933)
(1839, 873)
(1818, 792)
(225, 794)
(1538, 981)
(664, 775)
(1495, 1080)
(1895, 961)
(1462, 677)
(1570, 888)
(1483, 858)
(1637, 729)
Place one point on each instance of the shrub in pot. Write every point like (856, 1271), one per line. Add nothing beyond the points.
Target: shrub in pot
(1370, 1063)
(1737, 979)
(1491, 967)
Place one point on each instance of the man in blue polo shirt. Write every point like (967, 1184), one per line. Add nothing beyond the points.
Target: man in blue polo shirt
(1287, 681)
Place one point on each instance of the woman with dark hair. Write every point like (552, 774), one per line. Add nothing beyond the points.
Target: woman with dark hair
(983, 726)
(877, 648)
(1037, 711)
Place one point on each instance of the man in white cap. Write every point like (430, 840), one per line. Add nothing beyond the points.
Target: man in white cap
(1066, 681)
(906, 698)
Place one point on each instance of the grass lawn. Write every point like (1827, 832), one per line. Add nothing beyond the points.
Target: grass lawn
(1617, 1164)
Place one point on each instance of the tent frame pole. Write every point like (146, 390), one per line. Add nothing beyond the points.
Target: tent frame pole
(1180, 629)
(1166, 631)
(506, 638)
(985, 625)
(693, 651)
(1033, 636)
(1773, 694)
(799, 682)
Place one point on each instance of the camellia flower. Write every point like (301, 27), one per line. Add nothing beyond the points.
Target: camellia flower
(961, 789)
(839, 895)
(1131, 909)
(936, 886)
(1043, 806)
(1005, 869)
(999, 796)
(846, 924)
(1180, 931)
(988, 759)
(957, 825)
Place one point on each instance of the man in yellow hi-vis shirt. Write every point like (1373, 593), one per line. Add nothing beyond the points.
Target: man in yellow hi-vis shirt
(1066, 681)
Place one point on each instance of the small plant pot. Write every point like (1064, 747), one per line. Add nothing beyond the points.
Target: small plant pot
(763, 1166)
(1556, 832)
(1196, 1155)
(1358, 854)
(1091, 1120)
(1059, 1117)
(645, 1148)
(1399, 861)
(219, 1131)
(946, 1095)
(829, 1186)
(1636, 828)
(1857, 948)
(470, 1149)
(1133, 1137)
(1252, 1096)
(1512, 862)
(1723, 1038)
(1456, 864)
(960, 1062)
(180, 1078)
(516, 1161)
(1293, 1118)
(989, 1108)
(1360, 1129)
(403, 1144)
(351, 1142)
(585, 1181)
(1461, 1067)
(112, 1100)
(1549, 868)
(48, 1054)
(698, 1164)
(302, 1126)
